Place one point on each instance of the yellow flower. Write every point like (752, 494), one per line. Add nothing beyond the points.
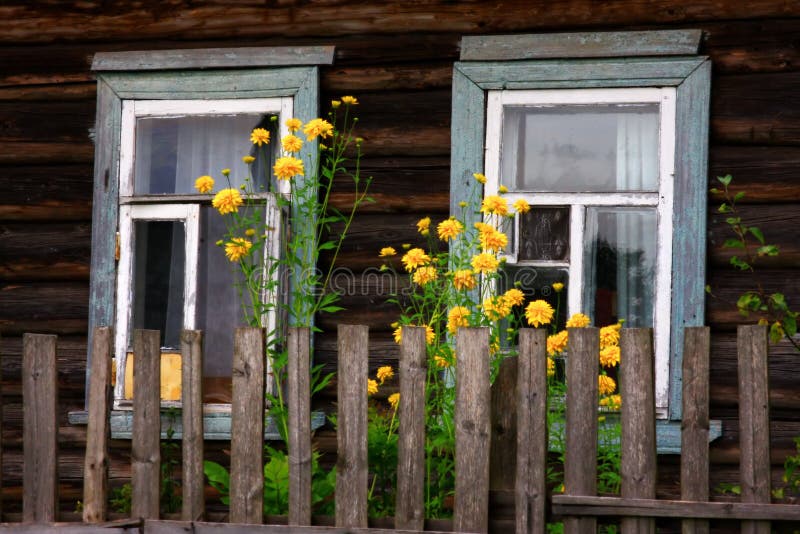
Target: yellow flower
(492, 239)
(558, 287)
(539, 312)
(398, 335)
(250, 232)
(494, 204)
(609, 336)
(288, 167)
(227, 201)
(551, 367)
(479, 177)
(463, 204)
(204, 184)
(259, 137)
(291, 143)
(514, 297)
(415, 258)
(386, 252)
(293, 124)
(502, 190)
(485, 263)
(557, 343)
(226, 172)
(384, 373)
(394, 400)
(405, 246)
(423, 275)
(456, 318)
(237, 248)
(463, 279)
(449, 229)
(578, 320)
(496, 308)
(606, 385)
(441, 362)
(430, 335)
(423, 225)
(372, 387)
(349, 100)
(609, 356)
(521, 206)
(248, 159)
(613, 402)
(318, 128)
(336, 103)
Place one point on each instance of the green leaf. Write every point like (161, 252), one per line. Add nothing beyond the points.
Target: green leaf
(767, 250)
(733, 243)
(776, 332)
(790, 325)
(714, 191)
(733, 220)
(725, 180)
(739, 263)
(708, 289)
(757, 234)
(723, 208)
(331, 309)
(738, 196)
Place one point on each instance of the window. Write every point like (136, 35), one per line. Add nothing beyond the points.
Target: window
(605, 134)
(164, 118)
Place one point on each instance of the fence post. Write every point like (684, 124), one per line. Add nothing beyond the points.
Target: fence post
(754, 468)
(95, 469)
(473, 430)
(580, 458)
(351, 464)
(503, 447)
(531, 485)
(299, 400)
(410, 508)
(637, 387)
(146, 441)
(193, 506)
(247, 427)
(694, 435)
(40, 428)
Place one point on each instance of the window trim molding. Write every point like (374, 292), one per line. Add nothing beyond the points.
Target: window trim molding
(690, 75)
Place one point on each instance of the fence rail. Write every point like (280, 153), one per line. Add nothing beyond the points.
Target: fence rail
(578, 505)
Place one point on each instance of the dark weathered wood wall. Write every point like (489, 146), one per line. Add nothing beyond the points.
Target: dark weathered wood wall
(396, 56)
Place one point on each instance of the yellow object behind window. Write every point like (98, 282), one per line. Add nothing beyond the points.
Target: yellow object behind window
(170, 376)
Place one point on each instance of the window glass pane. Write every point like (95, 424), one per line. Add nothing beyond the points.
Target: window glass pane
(580, 148)
(620, 259)
(544, 234)
(537, 283)
(171, 152)
(158, 278)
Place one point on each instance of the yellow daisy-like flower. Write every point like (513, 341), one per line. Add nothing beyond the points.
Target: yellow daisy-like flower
(291, 143)
(237, 248)
(259, 136)
(613, 402)
(456, 318)
(287, 167)
(336, 103)
(479, 177)
(485, 263)
(293, 124)
(558, 287)
(538, 312)
(441, 362)
(430, 335)
(349, 100)
(502, 190)
(226, 172)
(606, 385)
(609, 336)
(557, 343)
(449, 229)
(494, 204)
(514, 297)
(398, 334)
(250, 232)
(227, 201)
(496, 308)
(384, 373)
(424, 275)
(423, 225)
(609, 356)
(248, 159)
(318, 128)
(414, 258)
(394, 400)
(387, 251)
(204, 184)
(492, 239)
(551, 367)
(521, 206)
(372, 387)
(464, 279)
(578, 320)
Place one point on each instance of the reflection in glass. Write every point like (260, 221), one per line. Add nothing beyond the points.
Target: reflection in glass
(580, 148)
(158, 276)
(537, 283)
(171, 152)
(620, 265)
(544, 234)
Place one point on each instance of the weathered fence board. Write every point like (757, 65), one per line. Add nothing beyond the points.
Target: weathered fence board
(503, 448)
(95, 471)
(299, 400)
(146, 444)
(193, 481)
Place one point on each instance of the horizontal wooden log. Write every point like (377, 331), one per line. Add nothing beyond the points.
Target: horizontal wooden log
(39, 152)
(44, 308)
(376, 78)
(51, 121)
(727, 284)
(47, 192)
(767, 174)
(44, 251)
(45, 93)
(752, 45)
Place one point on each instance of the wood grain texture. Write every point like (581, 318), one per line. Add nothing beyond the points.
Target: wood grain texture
(473, 430)
(247, 427)
(503, 448)
(765, 173)
(45, 251)
(95, 471)
(754, 440)
(413, 370)
(638, 455)
(580, 455)
(694, 429)
(530, 487)
(40, 395)
(193, 481)
(146, 442)
(299, 401)
(351, 413)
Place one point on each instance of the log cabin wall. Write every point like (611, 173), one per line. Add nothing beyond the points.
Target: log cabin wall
(396, 57)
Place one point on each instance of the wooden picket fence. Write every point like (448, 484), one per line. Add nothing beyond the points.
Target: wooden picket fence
(579, 505)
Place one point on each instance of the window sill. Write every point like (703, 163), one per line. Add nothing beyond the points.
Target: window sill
(217, 424)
